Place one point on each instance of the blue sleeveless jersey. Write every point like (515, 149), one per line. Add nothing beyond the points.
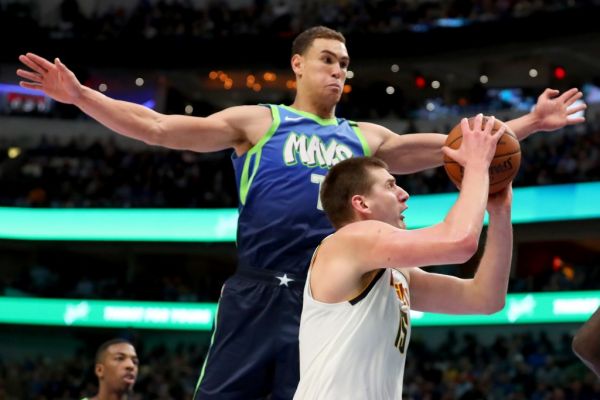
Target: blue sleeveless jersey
(281, 220)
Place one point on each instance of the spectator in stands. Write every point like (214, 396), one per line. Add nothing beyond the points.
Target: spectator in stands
(116, 368)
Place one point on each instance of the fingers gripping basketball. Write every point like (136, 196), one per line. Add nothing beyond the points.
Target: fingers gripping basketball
(504, 166)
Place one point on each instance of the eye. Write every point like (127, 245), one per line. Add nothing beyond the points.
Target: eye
(328, 59)
(344, 65)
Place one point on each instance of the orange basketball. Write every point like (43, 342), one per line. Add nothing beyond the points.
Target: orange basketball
(504, 166)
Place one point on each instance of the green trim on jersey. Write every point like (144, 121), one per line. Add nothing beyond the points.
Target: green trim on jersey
(317, 119)
(361, 138)
(254, 154)
(212, 339)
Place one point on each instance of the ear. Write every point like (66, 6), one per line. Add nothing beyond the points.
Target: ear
(99, 370)
(297, 64)
(359, 204)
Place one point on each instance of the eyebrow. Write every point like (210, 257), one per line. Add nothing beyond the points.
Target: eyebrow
(120, 353)
(342, 58)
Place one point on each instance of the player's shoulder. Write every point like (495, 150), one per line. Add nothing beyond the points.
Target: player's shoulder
(375, 134)
(373, 128)
(361, 231)
(247, 112)
(252, 121)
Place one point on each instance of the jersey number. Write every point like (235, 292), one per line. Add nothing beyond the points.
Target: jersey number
(400, 342)
(318, 179)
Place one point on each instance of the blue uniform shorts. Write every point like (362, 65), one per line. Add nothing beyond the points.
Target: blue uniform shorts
(254, 352)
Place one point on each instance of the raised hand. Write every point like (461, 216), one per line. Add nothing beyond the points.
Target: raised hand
(54, 79)
(478, 142)
(554, 111)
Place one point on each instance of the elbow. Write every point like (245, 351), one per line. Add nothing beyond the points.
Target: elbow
(156, 134)
(157, 137)
(465, 247)
(494, 306)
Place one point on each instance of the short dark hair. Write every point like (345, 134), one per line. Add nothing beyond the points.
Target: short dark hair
(104, 346)
(304, 40)
(344, 180)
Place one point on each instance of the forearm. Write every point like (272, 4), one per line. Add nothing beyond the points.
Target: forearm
(468, 211)
(586, 343)
(524, 126)
(490, 284)
(128, 119)
(410, 153)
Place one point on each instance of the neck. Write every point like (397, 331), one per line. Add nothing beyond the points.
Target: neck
(321, 110)
(105, 394)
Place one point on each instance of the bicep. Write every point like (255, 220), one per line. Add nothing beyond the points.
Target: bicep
(407, 153)
(232, 127)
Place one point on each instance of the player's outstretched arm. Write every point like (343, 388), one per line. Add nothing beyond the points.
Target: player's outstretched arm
(416, 152)
(216, 132)
(586, 343)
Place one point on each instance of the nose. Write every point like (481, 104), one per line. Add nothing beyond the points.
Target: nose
(129, 364)
(337, 71)
(402, 194)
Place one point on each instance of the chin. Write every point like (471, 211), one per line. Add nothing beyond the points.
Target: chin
(332, 97)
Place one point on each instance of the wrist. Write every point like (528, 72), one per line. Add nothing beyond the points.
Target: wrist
(528, 124)
(500, 211)
(81, 95)
(477, 165)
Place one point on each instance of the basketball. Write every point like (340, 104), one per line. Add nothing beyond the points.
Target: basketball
(504, 166)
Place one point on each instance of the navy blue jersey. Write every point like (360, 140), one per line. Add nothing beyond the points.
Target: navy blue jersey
(281, 220)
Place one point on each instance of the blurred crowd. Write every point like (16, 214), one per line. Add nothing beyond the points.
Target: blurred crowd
(185, 18)
(103, 175)
(513, 366)
(102, 279)
(164, 373)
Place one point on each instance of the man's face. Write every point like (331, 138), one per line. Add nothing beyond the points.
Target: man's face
(119, 368)
(386, 200)
(323, 68)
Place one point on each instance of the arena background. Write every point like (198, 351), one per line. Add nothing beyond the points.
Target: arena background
(88, 216)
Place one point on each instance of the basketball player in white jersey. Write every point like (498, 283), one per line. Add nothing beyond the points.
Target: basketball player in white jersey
(355, 323)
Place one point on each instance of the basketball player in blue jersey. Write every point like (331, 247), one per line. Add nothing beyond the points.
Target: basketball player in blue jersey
(281, 155)
(355, 324)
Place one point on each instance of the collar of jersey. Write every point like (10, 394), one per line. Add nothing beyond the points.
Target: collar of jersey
(313, 117)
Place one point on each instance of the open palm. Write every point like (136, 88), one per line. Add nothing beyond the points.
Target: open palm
(556, 112)
(54, 79)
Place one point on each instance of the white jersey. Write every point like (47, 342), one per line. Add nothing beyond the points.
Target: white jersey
(356, 349)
